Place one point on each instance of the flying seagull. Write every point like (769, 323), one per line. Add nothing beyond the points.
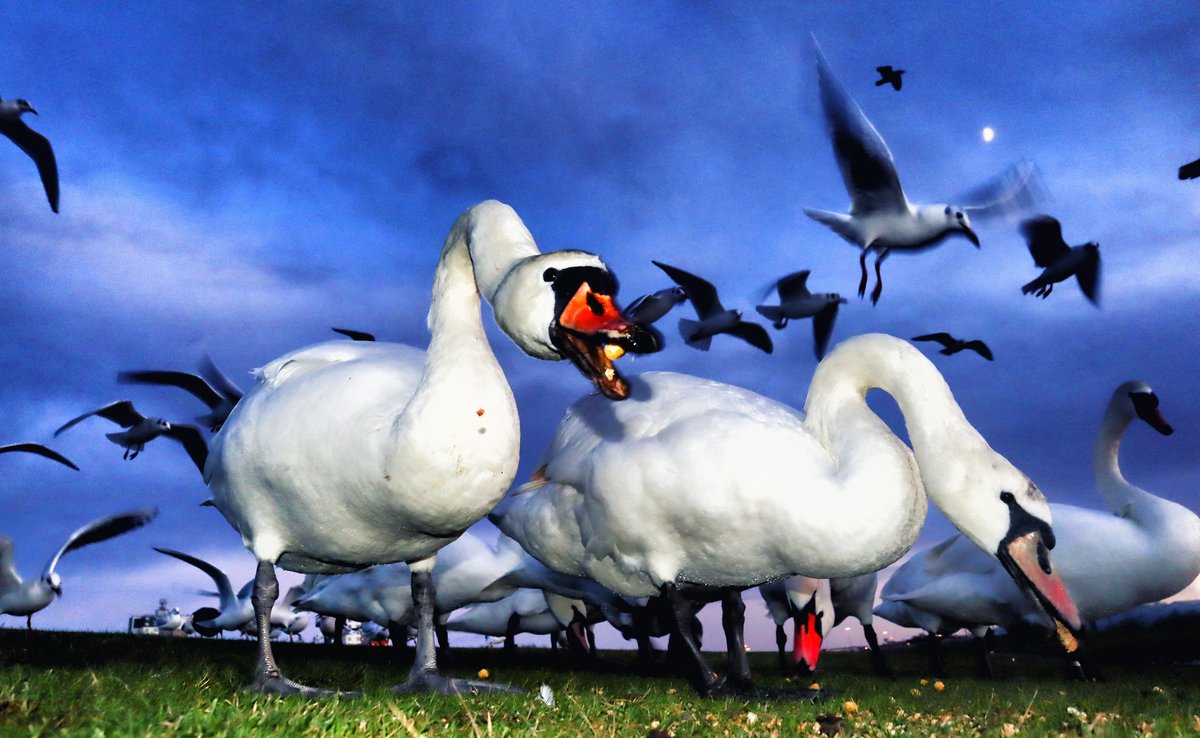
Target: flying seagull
(217, 392)
(142, 430)
(795, 301)
(649, 308)
(18, 597)
(889, 76)
(235, 610)
(1059, 261)
(1191, 170)
(40, 450)
(354, 335)
(952, 345)
(714, 318)
(32, 143)
(881, 219)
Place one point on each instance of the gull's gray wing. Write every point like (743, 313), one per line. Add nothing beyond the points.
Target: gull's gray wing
(702, 294)
(219, 381)
(120, 412)
(823, 328)
(753, 334)
(945, 339)
(354, 335)
(38, 148)
(980, 348)
(9, 578)
(1014, 191)
(868, 170)
(793, 285)
(183, 380)
(1043, 234)
(224, 588)
(102, 529)
(1088, 276)
(40, 450)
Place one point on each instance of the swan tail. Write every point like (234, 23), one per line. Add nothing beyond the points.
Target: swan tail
(689, 330)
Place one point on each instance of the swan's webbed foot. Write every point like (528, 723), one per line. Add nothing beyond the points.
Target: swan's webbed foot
(276, 683)
(423, 682)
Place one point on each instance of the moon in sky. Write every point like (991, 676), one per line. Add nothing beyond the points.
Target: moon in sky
(988, 134)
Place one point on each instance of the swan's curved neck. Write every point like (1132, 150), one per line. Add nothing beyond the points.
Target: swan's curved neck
(1118, 494)
(942, 439)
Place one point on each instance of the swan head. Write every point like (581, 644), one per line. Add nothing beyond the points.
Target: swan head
(1135, 399)
(561, 305)
(1024, 550)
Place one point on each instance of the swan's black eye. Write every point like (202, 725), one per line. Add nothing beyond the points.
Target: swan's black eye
(1007, 498)
(550, 275)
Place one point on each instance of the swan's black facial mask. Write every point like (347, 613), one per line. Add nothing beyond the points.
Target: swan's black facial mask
(589, 328)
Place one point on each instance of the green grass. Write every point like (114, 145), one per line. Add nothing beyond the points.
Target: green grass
(98, 685)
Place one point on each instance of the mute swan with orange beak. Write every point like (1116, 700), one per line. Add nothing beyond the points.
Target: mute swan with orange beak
(348, 454)
(694, 482)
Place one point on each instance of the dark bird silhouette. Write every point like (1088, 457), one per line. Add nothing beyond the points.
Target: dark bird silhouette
(1060, 261)
(40, 450)
(714, 317)
(34, 144)
(889, 76)
(795, 302)
(142, 430)
(214, 389)
(952, 345)
(1191, 170)
(354, 335)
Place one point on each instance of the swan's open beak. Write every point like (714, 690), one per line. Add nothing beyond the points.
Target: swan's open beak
(592, 332)
(1028, 562)
(806, 641)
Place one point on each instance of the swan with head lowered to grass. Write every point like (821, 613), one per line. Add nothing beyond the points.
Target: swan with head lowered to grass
(694, 482)
(1141, 549)
(349, 453)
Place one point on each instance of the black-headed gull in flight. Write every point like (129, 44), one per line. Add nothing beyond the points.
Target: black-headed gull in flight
(649, 308)
(142, 430)
(235, 611)
(881, 219)
(32, 143)
(20, 597)
(714, 317)
(214, 389)
(952, 345)
(1060, 261)
(40, 450)
(795, 302)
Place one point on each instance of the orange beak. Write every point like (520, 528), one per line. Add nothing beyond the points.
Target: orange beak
(592, 332)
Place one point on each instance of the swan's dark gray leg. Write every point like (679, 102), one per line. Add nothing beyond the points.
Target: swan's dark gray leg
(268, 679)
(781, 645)
(703, 679)
(733, 621)
(877, 659)
(424, 675)
(983, 661)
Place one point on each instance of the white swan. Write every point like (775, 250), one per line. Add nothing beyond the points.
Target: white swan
(1142, 549)
(523, 611)
(695, 482)
(348, 454)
